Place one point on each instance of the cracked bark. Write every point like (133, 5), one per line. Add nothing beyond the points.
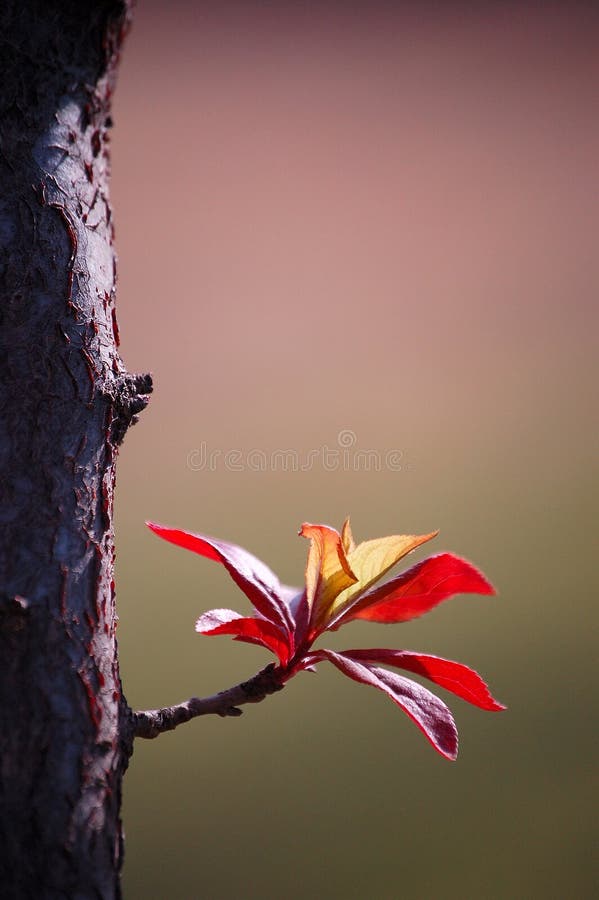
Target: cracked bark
(66, 401)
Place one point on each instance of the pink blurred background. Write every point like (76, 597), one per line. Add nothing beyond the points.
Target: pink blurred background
(374, 223)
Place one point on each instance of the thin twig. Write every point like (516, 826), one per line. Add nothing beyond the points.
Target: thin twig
(149, 723)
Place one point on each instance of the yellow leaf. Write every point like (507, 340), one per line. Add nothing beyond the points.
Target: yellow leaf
(347, 538)
(328, 572)
(370, 560)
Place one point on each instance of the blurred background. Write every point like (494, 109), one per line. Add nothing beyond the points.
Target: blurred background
(350, 227)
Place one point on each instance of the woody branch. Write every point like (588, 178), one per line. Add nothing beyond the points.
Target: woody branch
(150, 723)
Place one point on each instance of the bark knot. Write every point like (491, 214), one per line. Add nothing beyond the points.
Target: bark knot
(129, 395)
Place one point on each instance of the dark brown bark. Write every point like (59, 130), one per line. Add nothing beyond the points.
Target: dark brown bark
(66, 401)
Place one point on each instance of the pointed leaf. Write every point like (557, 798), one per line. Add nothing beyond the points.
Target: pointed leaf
(327, 571)
(371, 560)
(300, 613)
(255, 579)
(418, 590)
(429, 713)
(249, 630)
(453, 676)
(347, 538)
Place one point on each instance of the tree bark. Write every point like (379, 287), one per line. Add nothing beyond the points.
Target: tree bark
(66, 401)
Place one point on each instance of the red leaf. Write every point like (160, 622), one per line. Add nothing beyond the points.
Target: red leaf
(300, 613)
(425, 709)
(418, 590)
(249, 630)
(453, 676)
(255, 579)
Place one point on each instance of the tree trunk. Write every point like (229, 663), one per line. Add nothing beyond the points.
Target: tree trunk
(66, 401)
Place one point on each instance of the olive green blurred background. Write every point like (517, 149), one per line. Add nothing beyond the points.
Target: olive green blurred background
(378, 220)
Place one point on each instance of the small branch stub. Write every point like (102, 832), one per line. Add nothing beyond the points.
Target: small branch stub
(130, 396)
